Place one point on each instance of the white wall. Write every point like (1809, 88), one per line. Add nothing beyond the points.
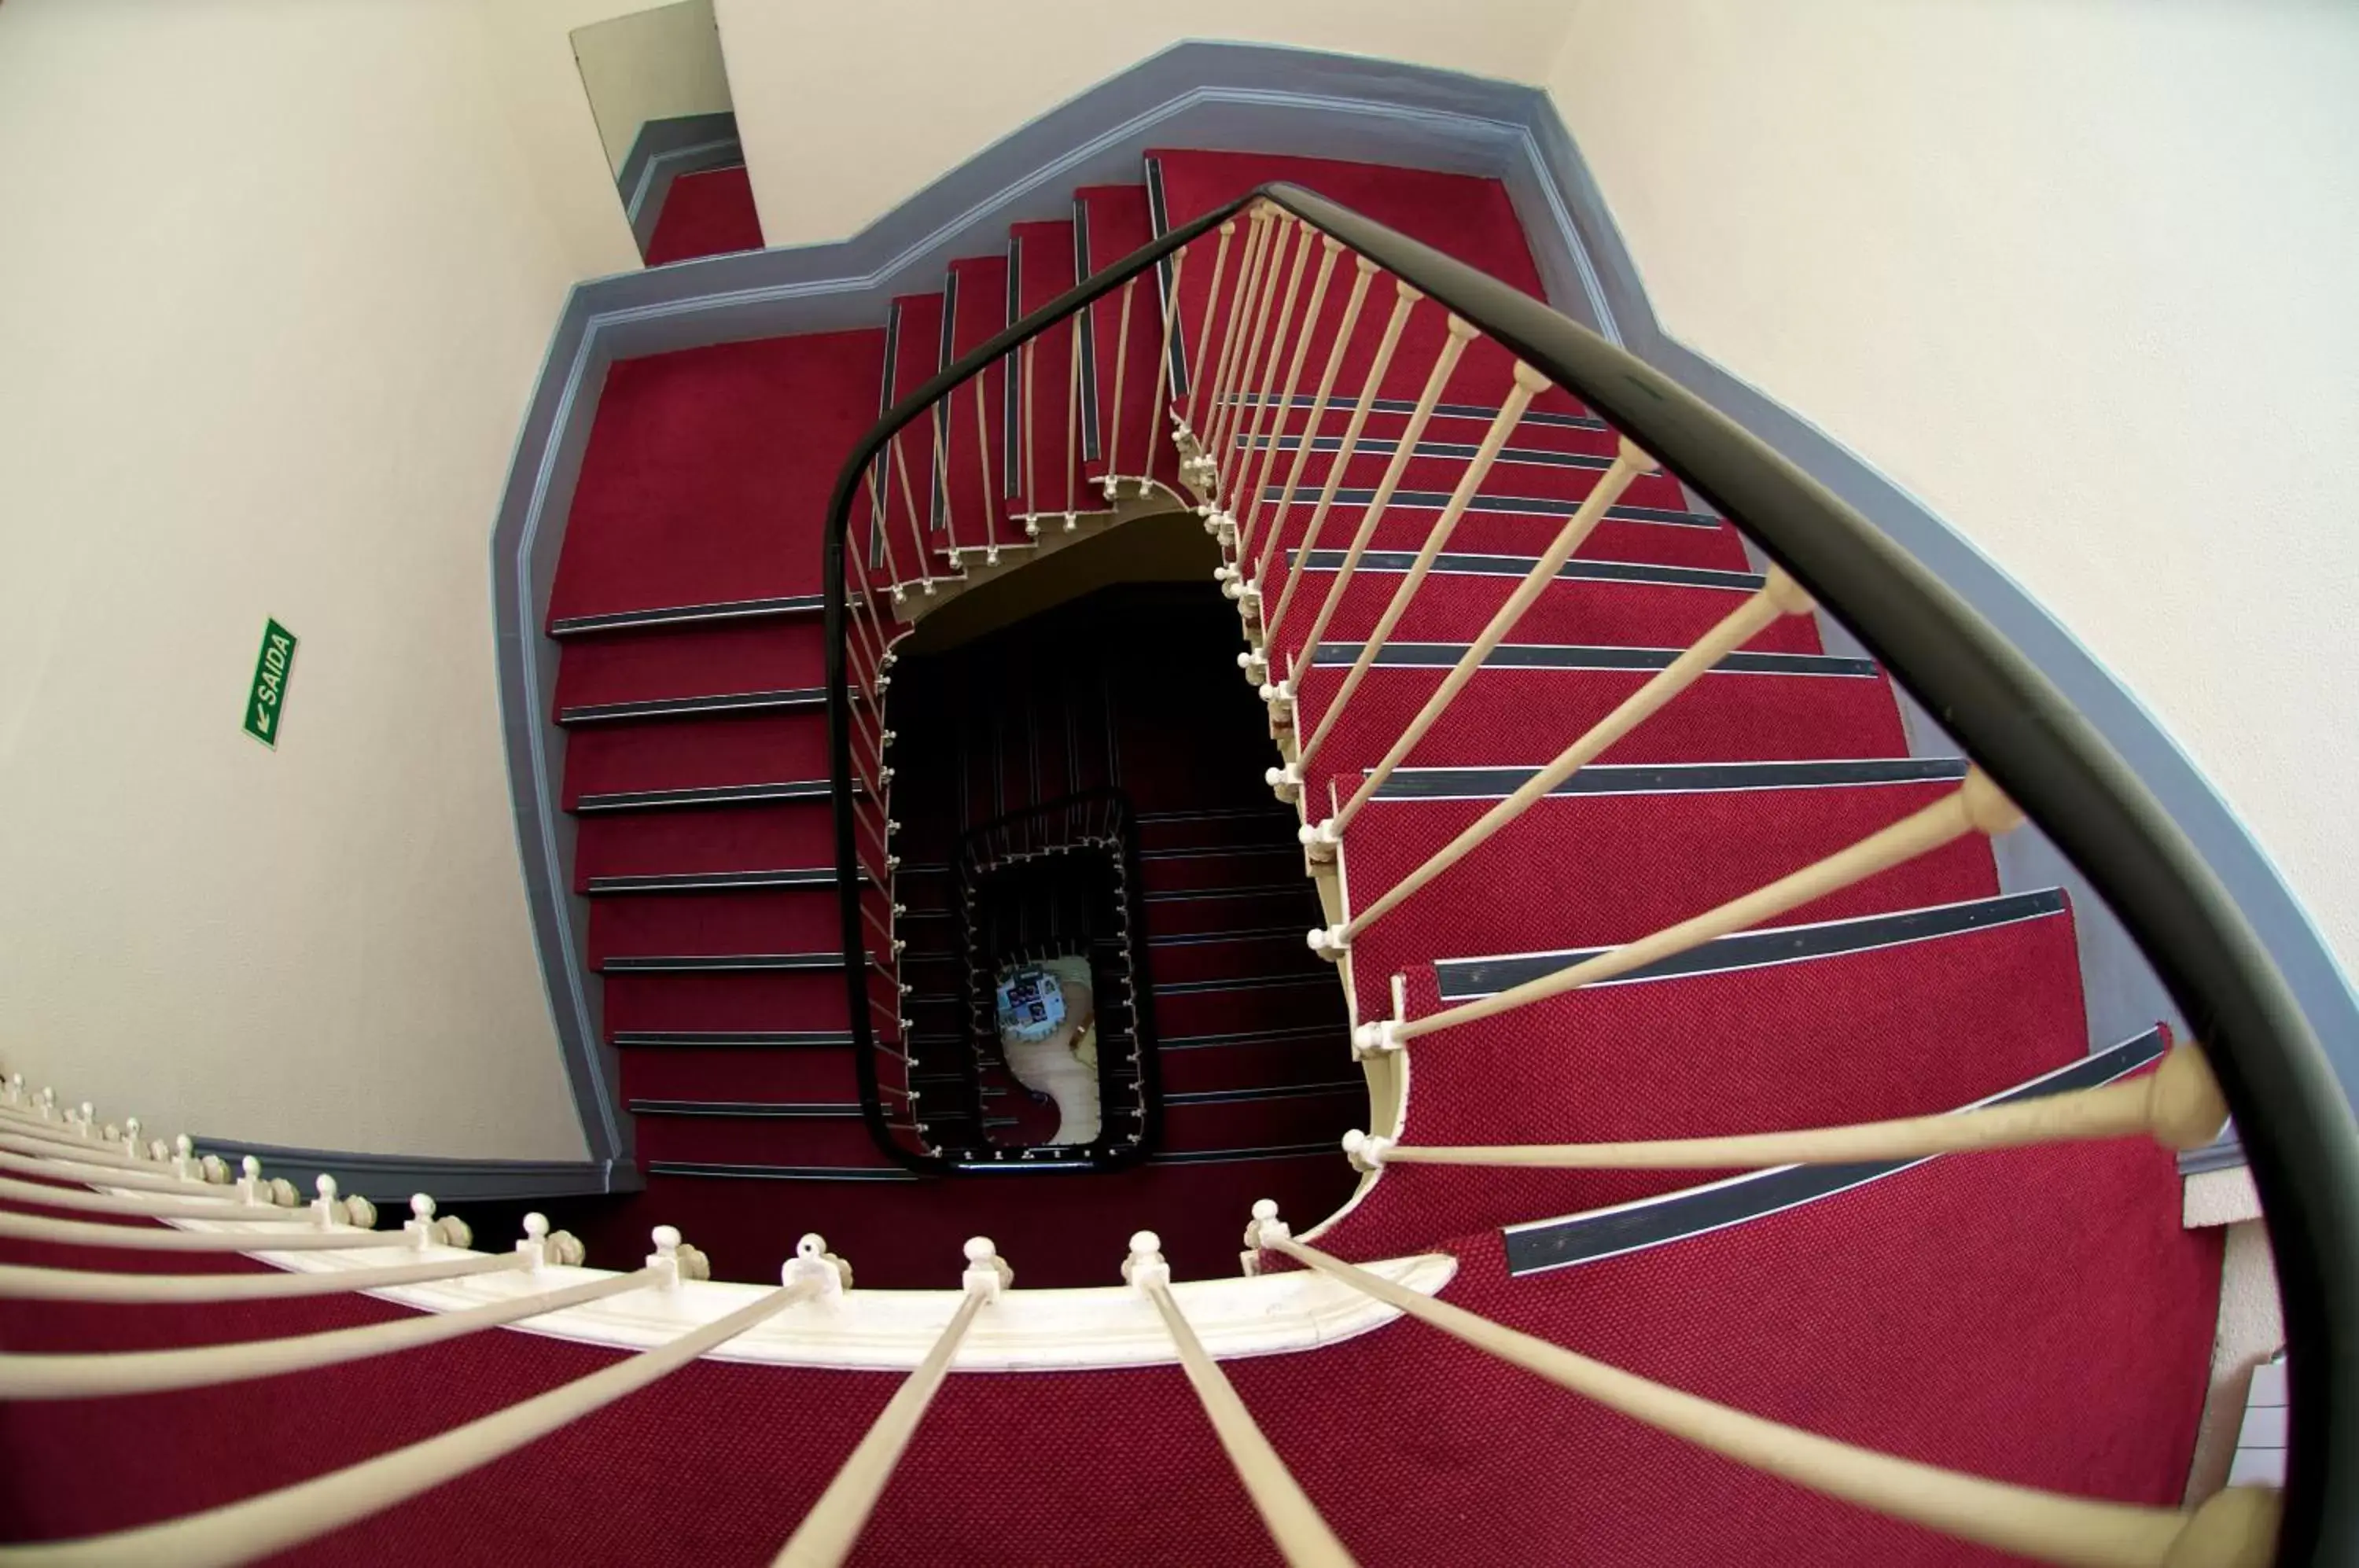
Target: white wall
(848, 109)
(650, 65)
(276, 288)
(2080, 274)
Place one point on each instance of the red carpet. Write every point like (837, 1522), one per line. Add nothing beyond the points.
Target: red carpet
(710, 214)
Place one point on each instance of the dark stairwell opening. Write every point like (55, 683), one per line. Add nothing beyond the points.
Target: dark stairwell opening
(1124, 699)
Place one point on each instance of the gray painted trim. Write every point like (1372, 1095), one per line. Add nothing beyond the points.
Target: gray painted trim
(1233, 96)
(390, 1179)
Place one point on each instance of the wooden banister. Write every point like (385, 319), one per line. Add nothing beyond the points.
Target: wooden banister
(2233, 1531)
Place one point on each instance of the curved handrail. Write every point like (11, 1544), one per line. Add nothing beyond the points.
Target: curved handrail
(2295, 1123)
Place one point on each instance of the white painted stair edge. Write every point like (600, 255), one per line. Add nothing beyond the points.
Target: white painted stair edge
(1024, 1330)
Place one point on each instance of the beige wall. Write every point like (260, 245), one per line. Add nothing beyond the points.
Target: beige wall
(650, 65)
(2077, 274)
(530, 49)
(275, 292)
(847, 110)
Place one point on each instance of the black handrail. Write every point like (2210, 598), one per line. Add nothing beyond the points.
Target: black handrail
(2296, 1125)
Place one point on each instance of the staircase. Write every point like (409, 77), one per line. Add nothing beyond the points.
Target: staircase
(1486, 977)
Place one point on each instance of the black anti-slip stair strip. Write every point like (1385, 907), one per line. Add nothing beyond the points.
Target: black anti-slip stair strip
(721, 962)
(1208, 852)
(1266, 1092)
(783, 1040)
(683, 614)
(781, 1173)
(1440, 411)
(1304, 1033)
(1206, 939)
(1458, 564)
(1555, 506)
(1368, 446)
(1554, 656)
(1322, 976)
(691, 707)
(1230, 1156)
(1220, 814)
(816, 1110)
(703, 881)
(1542, 1245)
(709, 795)
(1262, 890)
(1669, 777)
(1466, 979)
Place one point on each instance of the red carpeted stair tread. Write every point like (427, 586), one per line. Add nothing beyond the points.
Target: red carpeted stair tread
(1275, 1123)
(1710, 548)
(712, 839)
(1293, 1000)
(798, 1074)
(1909, 1029)
(701, 463)
(1621, 866)
(841, 1143)
(1262, 949)
(750, 749)
(1311, 1056)
(761, 654)
(707, 213)
(1248, 908)
(1507, 717)
(1468, 217)
(644, 1004)
(798, 919)
(1456, 608)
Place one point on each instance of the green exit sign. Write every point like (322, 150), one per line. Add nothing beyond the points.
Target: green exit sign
(266, 705)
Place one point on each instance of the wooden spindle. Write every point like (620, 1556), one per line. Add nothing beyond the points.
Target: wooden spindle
(1204, 330)
(827, 1533)
(1303, 1537)
(1405, 300)
(1271, 410)
(1114, 409)
(1157, 411)
(2178, 1105)
(1364, 273)
(1282, 226)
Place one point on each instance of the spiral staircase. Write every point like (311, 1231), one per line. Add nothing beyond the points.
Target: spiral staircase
(1565, 925)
